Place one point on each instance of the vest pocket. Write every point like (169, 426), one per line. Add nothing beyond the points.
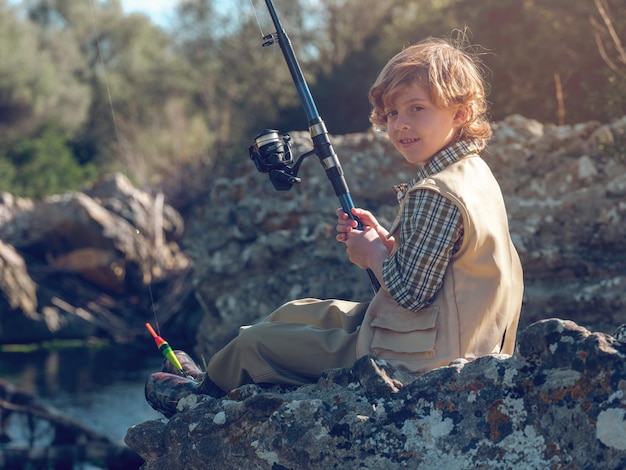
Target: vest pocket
(403, 334)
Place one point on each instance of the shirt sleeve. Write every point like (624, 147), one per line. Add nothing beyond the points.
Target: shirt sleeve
(431, 228)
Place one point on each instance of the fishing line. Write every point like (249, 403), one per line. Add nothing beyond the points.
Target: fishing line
(257, 18)
(105, 75)
(117, 134)
(258, 22)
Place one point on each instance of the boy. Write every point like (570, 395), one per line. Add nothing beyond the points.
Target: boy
(451, 279)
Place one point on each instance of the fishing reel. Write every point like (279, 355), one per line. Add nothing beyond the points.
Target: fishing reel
(271, 154)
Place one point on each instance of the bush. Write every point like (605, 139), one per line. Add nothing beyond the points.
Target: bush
(42, 166)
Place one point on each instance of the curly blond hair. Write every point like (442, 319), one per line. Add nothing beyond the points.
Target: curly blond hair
(450, 73)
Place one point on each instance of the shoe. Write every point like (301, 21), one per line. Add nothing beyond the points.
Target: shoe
(190, 368)
(163, 391)
(205, 385)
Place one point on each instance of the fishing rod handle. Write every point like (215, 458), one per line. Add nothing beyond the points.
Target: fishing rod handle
(326, 154)
(347, 205)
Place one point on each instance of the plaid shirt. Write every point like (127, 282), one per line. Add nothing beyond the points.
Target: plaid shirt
(431, 232)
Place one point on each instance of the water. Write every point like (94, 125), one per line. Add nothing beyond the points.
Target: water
(102, 388)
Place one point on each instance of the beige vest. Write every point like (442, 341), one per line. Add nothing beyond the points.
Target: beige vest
(477, 309)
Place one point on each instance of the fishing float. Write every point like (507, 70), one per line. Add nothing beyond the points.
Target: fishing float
(165, 348)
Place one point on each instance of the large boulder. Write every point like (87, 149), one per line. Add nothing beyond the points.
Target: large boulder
(558, 402)
(20, 292)
(565, 188)
(79, 264)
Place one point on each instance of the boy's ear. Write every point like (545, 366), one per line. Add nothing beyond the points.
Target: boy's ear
(462, 115)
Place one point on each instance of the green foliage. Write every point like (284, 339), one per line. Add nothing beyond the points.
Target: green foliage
(7, 174)
(38, 79)
(43, 165)
(239, 86)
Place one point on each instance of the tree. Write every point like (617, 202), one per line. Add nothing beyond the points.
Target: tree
(350, 51)
(528, 48)
(613, 53)
(240, 86)
(38, 80)
(141, 120)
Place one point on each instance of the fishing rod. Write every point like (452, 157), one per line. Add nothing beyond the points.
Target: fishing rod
(271, 152)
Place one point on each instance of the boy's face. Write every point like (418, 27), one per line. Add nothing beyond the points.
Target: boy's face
(416, 127)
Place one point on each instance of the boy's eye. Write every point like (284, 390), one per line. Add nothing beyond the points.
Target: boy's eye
(390, 113)
(417, 107)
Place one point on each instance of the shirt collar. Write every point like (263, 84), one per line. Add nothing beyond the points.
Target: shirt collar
(442, 159)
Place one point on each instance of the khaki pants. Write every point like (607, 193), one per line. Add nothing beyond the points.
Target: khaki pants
(293, 345)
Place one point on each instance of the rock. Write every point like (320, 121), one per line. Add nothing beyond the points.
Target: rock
(17, 289)
(75, 226)
(76, 265)
(564, 189)
(558, 402)
(148, 214)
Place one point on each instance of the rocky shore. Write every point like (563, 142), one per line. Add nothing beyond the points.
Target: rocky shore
(558, 402)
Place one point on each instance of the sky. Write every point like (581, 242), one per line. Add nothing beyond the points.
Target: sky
(159, 11)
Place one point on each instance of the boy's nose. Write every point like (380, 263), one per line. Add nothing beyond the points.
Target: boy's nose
(402, 124)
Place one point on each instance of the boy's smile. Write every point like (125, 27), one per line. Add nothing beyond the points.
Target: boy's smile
(417, 128)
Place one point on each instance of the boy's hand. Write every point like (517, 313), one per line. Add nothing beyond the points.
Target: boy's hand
(364, 247)
(345, 225)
